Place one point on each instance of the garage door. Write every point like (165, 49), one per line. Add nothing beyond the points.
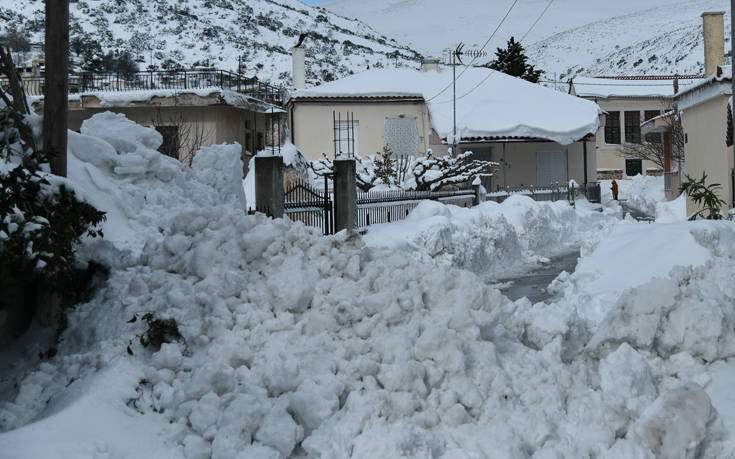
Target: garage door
(551, 167)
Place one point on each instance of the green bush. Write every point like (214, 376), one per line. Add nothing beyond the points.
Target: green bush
(704, 196)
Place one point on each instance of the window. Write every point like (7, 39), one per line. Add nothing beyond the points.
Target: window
(656, 136)
(633, 127)
(612, 128)
(401, 136)
(248, 141)
(170, 144)
(261, 143)
(348, 137)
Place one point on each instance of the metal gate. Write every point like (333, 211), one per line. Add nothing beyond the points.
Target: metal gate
(311, 206)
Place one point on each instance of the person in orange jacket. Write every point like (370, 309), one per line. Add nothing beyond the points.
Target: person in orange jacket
(614, 189)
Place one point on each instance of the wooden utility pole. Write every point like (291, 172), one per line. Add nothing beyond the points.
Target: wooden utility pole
(56, 84)
(732, 70)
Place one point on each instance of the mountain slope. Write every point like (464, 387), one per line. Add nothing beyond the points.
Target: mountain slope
(217, 32)
(572, 37)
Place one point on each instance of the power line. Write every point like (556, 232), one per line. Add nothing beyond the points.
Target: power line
(507, 13)
(537, 20)
(493, 71)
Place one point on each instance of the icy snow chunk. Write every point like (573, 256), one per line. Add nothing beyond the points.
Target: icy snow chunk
(626, 379)
(205, 413)
(636, 317)
(169, 356)
(220, 166)
(279, 430)
(124, 135)
(195, 447)
(678, 422)
(92, 150)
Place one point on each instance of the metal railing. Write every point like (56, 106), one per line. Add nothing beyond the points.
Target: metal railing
(179, 80)
(389, 206)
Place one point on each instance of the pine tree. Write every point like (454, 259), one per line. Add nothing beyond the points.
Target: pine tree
(513, 61)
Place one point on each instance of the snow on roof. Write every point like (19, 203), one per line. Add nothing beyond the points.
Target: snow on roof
(129, 97)
(723, 73)
(489, 103)
(628, 87)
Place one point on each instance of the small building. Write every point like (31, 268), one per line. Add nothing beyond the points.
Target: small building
(705, 123)
(633, 100)
(190, 109)
(538, 135)
(628, 102)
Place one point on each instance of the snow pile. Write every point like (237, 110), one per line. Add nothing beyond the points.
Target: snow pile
(220, 166)
(646, 194)
(492, 239)
(296, 345)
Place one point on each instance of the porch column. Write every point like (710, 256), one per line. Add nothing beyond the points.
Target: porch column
(269, 195)
(345, 194)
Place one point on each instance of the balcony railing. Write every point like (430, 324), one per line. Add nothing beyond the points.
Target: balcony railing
(178, 80)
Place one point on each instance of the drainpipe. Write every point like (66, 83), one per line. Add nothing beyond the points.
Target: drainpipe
(291, 108)
(584, 144)
(505, 166)
(732, 61)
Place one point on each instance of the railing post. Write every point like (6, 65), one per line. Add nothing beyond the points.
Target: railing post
(269, 196)
(345, 194)
(185, 81)
(477, 186)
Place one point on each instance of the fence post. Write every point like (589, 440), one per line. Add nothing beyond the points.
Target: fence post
(477, 185)
(345, 194)
(269, 195)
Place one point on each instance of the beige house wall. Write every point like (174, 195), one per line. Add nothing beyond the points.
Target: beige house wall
(705, 128)
(520, 166)
(313, 128)
(609, 155)
(211, 124)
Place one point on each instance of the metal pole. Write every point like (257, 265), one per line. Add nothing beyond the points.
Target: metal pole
(454, 102)
(732, 61)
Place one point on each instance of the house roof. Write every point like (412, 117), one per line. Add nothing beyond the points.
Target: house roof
(707, 88)
(630, 86)
(490, 104)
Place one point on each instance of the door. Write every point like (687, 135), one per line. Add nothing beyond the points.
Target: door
(551, 167)
(633, 167)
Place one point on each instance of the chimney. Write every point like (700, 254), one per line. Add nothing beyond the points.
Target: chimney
(298, 56)
(713, 23)
(430, 65)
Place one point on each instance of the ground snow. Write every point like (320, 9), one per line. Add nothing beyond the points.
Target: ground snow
(299, 345)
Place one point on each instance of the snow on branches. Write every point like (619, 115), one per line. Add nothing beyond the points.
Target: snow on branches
(427, 173)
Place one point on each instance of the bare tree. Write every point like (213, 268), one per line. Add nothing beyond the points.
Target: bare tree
(16, 106)
(189, 136)
(651, 147)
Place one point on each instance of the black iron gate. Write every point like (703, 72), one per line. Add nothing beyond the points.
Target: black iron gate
(311, 206)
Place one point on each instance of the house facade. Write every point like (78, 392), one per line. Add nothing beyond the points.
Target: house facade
(190, 109)
(537, 135)
(705, 125)
(628, 102)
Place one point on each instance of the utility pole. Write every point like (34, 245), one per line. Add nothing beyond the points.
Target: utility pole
(732, 69)
(454, 103)
(56, 81)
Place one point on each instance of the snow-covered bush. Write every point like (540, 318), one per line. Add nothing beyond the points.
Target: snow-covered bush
(40, 226)
(426, 173)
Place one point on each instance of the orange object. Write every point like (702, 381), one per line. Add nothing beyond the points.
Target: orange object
(614, 189)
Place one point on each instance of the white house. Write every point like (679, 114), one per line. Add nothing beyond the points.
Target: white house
(539, 135)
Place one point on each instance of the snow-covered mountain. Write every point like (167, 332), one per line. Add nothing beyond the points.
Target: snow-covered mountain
(217, 32)
(571, 37)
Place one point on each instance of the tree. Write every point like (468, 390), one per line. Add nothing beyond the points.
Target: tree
(513, 61)
(385, 166)
(432, 173)
(181, 139)
(652, 147)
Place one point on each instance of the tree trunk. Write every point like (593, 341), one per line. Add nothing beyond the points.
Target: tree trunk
(56, 84)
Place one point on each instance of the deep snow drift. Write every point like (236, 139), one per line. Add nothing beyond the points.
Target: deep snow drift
(297, 345)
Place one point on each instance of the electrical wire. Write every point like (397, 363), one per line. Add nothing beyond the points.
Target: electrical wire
(492, 72)
(507, 13)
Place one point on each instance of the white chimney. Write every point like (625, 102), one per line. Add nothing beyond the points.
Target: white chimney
(713, 24)
(430, 65)
(298, 55)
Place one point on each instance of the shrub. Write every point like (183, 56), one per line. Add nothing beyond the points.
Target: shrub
(704, 196)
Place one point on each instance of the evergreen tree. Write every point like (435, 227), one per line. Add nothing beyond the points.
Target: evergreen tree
(513, 61)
